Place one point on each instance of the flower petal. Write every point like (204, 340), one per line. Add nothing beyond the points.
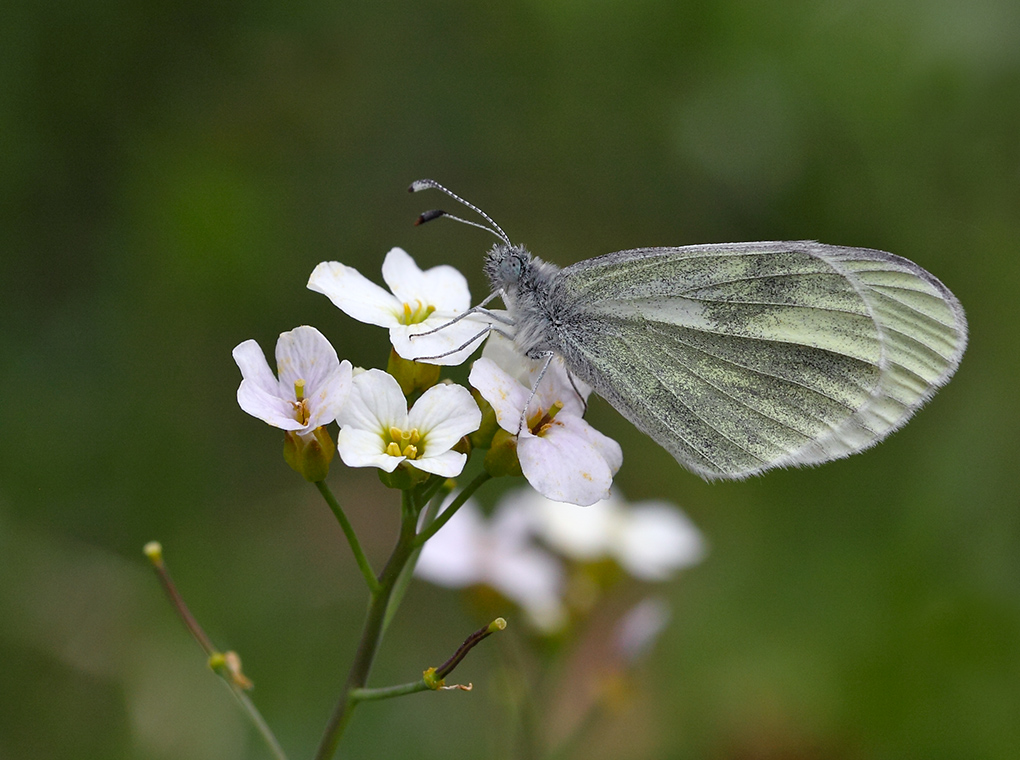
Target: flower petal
(364, 448)
(304, 354)
(657, 540)
(443, 415)
(254, 368)
(326, 405)
(557, 384)
(607, 448)
(584, 534)
(449, 346)
(442, 287)
(267, 407)
(448, 464)
(563, 465)
(534, 580)
(506, 396)
(375, 403)
(355, 295)
(452, 557)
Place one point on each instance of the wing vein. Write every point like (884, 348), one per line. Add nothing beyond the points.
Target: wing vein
(762, 373)
(699, 417)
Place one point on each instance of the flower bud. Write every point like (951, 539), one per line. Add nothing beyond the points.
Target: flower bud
(482, 438)
(413, 377)
(309, 454)
(501, 458)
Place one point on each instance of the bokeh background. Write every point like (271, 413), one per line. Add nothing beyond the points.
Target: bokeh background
(171, 172)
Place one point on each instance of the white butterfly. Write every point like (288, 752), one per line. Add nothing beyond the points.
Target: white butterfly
(740, 357)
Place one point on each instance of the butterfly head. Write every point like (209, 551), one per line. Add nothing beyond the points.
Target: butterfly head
(507, 266)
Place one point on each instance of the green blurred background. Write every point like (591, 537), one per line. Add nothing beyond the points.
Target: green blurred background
(170, 173)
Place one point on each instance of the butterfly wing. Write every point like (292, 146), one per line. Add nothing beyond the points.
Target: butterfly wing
(742, 357)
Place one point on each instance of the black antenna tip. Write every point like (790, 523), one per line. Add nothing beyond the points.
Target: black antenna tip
(428, 216)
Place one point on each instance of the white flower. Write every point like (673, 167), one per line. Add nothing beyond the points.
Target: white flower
(312, 387)
(377, 430)
(651, 540)
(561, 455)
(470, 551)
(420, 301)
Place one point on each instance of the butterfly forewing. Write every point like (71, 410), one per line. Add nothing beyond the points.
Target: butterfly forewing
(737, 358)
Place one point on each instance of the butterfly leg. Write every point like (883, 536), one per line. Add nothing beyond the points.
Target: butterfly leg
(580, 396)
(479, 309)
(484, 333)
(548, 356)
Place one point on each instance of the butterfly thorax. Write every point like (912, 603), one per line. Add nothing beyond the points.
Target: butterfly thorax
(524, 282)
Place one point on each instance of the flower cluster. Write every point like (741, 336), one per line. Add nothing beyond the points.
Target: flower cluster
(429, 319)
(533, 551)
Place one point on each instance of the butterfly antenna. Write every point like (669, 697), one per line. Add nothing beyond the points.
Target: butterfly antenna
(428, 216)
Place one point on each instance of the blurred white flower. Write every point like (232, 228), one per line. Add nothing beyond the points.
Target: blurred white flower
(420, 301)
(313, 383)
(377, 430)
(561, 455)
(651, 540)
(471, 550)
(637, 631)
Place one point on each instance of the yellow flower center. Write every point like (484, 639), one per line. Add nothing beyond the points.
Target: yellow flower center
(542, 421)
(404, 443)
(301, 411)
(416, 313)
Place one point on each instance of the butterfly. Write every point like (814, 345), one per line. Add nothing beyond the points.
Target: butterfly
(740, 357)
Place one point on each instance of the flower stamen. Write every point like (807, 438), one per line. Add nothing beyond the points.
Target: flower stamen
(403, 443)
(417, 314)
(542, 420)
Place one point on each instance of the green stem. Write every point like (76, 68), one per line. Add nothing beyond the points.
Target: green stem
(155, 554)
(352, 538)
(434, 676)
(432, 528)
(364, 695)
(259, 721)
(433, 497)
(371, 634)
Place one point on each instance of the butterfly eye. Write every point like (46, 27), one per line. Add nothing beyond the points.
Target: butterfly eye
(516, 266)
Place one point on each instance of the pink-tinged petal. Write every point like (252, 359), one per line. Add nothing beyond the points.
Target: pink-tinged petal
(449, 464)
(562, 465)
(657, 540)
(267, 407)
(444, 414)
(355, 295)
(375, 403)
(327, 403)
(304, 354)
(505, 395)
(254, 367)
(364, 448)
(450, 346)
